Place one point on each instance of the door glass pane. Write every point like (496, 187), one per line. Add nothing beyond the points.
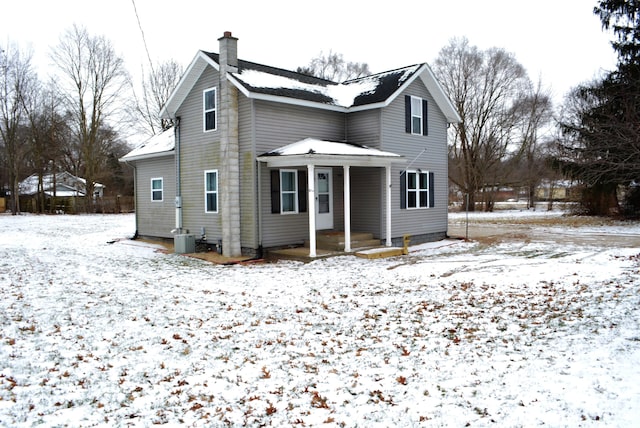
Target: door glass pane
(323, 182)
(323, 203)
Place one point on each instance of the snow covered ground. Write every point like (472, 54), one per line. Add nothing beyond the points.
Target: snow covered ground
(515, 333)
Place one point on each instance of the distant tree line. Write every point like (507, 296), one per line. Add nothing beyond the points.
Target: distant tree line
(79, 118)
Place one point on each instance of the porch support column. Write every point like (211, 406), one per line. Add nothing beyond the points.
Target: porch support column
(347, 210)
(312, 209)
(388, 198)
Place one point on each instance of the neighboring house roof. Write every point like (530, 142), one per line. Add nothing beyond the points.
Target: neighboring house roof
(159, 145)
(328, 153)
(270, 83)
(66, 184)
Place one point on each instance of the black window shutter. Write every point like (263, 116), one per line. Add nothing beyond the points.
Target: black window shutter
(302, 191)
(403, 190)
(407, 114)
(425, 127)
(432, 191)
(275, 191)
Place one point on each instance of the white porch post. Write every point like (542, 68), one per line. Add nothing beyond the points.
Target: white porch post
(312, 209)
(388, 219)
(347, 210)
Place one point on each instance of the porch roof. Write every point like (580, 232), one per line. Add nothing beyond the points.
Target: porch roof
(311, 151)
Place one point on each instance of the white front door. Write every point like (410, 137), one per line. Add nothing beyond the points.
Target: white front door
(324, 199)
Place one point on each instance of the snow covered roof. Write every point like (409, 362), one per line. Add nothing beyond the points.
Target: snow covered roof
(275, 84)
(328, 153)
(159, 145)
(257, 79)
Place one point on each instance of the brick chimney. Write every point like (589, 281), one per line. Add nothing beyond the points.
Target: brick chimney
(229, 184)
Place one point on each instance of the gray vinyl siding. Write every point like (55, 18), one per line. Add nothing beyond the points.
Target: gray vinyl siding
(155, 218)
(366, 199)
(364, 127)
(434, 159)
(200, 151)
(277, 125)
(281, 124)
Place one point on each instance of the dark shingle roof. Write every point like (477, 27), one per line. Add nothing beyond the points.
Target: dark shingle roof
(267, 80)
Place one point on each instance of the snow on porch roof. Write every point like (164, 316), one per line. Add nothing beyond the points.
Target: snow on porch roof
(159, 145)
(314, 151)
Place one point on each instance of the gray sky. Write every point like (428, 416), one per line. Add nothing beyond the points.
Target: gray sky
(560, 41)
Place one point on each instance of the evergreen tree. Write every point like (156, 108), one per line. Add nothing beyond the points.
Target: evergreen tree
(603, 120)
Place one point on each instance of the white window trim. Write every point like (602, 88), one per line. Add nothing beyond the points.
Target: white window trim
(161, 189)
(418, 114)
(294, 192)
(206, 192)
(417, 190)
(214, 109)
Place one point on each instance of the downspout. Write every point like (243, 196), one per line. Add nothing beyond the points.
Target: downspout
(259, 252)
(258, 202)
(176, 131)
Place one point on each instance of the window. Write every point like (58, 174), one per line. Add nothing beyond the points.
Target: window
(289, 191)
(416, 115)
(282, 204)
(210, 103)
(417, 190)
(211, 191)
(156, 189)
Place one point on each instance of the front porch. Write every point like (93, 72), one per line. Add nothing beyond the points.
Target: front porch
(330, 243)
(320, 158)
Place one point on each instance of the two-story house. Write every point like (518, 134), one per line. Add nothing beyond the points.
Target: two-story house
(262, 158)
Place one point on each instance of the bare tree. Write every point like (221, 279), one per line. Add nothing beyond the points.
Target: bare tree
(92, 80)
(48, 133)
(17, 80)
(334, 67)
(156, 89)
(484, 87)
(534, 109)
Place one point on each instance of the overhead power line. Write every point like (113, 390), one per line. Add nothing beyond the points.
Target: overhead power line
(144, 40)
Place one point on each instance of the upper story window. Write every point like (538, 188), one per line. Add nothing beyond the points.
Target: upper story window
(416, 115)
(156, 189)
(211, 191)
(210, 104)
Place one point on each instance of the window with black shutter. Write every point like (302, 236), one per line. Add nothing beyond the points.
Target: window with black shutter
(288, 191)
(417, 190)
(416, 113)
